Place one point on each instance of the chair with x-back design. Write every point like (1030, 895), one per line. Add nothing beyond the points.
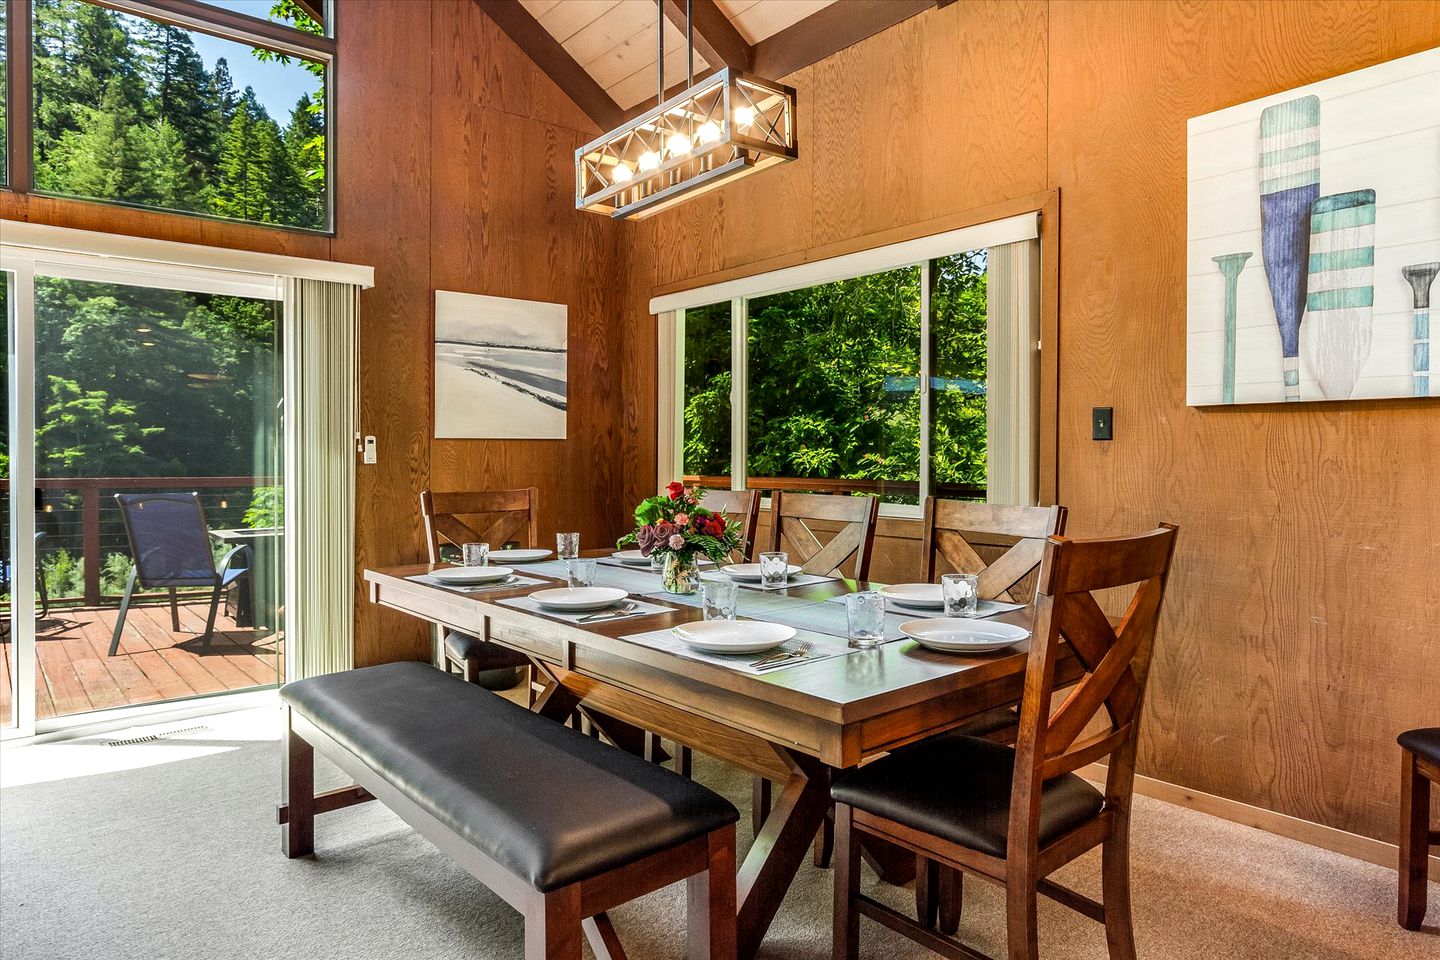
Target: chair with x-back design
(1014, 815)
(1001, 544)
(791, 516)
(496, 517)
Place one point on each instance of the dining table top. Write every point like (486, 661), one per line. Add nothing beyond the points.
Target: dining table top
(853, 687)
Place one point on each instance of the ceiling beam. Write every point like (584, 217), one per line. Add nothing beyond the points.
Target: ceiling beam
(553, 60)
(715, 36)
(828, 31)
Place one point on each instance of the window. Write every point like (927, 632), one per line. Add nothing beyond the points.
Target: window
(915, 379)
(228, 120)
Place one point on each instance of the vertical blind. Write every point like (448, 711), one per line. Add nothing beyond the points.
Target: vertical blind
(1012, 402)
(322, 321)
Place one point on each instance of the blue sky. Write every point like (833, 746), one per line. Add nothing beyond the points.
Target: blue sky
(277, 86)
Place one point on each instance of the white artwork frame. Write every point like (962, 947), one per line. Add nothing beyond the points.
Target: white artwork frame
(1350, 164)
(501, 368)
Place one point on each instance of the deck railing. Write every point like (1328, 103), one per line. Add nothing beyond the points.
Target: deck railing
(79, 516)
(890, 488)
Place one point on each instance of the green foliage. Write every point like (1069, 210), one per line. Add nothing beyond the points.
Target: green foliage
(834, 379)
(64, 574)
(125, 110)
(267, 508)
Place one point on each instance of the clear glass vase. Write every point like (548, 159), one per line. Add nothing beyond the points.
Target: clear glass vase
(681, 574)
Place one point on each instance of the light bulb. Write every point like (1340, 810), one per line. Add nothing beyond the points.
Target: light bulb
(708, 132)
(649, 160)
(678, 145)
(744, 116)
(620, 173)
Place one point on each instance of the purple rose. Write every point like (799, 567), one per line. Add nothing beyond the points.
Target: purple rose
(677, 542)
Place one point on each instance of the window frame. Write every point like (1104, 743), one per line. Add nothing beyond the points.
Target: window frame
(669, 310)
(191, 15)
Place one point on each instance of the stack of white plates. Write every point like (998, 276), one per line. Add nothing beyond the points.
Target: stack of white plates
(631, 556)
(963, 636)
(921, 596)
(571, 599)
(463, 575)
(519, 555)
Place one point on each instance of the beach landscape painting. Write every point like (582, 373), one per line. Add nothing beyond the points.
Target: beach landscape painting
(500, 368)
(1313, 240)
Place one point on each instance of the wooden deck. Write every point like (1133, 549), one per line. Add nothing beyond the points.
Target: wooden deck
(153, 663)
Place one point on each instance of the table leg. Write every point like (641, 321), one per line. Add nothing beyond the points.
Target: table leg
(780, 848)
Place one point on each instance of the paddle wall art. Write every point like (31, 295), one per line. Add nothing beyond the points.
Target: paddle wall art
(500, 368)
(1313, 240)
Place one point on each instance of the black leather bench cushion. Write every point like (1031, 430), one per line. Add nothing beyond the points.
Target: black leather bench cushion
(958, 788)
(493, 656)
(1424, 743)
(546, 802)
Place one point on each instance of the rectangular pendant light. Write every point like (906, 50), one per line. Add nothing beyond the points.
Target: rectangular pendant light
(722, 128)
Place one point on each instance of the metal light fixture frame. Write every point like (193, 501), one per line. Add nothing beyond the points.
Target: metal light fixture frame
(732, 150)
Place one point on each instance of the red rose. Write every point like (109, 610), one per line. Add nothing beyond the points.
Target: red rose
(675, 490)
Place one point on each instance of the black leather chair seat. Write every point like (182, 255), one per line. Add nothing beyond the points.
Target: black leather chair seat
(546, 802)
(1424, 743)
(958, 788)
(492, 656)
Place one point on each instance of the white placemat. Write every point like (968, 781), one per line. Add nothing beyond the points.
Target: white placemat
(986, 608)
(821, 648)
(798, 580)
(642, 609)
(468, 588)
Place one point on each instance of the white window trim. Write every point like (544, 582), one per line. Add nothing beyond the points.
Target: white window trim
(670, 312)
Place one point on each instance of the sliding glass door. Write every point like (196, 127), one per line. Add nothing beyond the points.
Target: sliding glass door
(144, 559)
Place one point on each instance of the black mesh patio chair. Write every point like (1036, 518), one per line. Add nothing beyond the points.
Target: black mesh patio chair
(170, 547)
(7, 584)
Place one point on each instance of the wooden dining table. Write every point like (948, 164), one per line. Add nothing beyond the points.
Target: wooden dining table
(795, 725)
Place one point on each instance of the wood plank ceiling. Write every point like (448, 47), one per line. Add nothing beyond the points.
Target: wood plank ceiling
(603, 53)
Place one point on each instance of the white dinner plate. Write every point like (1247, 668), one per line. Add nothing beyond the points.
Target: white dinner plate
(470, 574)
(925, 595)
(578, 598)
(519, 555)
(632, 557)
(751, 571)
(963, 636)
(734, 636)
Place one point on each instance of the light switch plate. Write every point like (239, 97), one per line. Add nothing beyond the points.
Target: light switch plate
(1102, 423)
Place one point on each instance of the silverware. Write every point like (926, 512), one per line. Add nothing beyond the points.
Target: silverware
(799, 653)
(490, 586)
(624, 610)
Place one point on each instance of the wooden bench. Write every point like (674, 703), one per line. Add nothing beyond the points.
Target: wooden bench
(560, 826)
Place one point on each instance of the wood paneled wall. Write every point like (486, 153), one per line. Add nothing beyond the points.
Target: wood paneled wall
(1302, 629)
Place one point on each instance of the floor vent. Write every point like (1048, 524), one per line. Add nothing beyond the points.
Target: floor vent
(151, 738)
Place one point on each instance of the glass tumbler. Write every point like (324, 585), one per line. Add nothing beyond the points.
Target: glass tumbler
(580, 573)
(774, 569)
(866, 615)
(475, 554)
(720, 597)
(567, 545)
(962, 594)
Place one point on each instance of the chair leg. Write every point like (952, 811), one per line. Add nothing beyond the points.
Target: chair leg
(846, 939)
(124, 609)
(1115, 886)
(710, 902)
(1021, 935)
(949, 898)
(684, 760)
(297, 837)
(472, 669)
(760, 803)
(1414, 841)
(824, 844)
(174, 611)
(43, 590)
(210, 618)
(552, 925)
(927, 889)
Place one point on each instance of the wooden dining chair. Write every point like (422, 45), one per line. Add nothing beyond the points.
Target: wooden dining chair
(1419, 768)
(1002, 544)
(791, 517)
(1014, 815)
(741, 505)
(496, 517)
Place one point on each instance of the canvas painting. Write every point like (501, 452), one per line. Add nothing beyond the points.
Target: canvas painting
(500, 368)
(1313, 240)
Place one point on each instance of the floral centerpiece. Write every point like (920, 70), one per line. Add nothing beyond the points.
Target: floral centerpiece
(675, 527)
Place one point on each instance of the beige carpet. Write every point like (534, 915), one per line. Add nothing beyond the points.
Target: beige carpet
(169, 850)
